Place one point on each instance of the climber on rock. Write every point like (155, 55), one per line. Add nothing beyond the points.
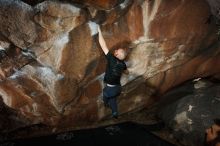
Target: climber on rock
(114, 69)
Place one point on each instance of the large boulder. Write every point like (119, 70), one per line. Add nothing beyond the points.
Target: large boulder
(190, 109)
(61, 84)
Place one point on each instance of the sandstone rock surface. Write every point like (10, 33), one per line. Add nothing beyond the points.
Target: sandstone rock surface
(60, 80)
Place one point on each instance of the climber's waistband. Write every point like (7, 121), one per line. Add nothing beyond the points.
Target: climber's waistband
(109, 85)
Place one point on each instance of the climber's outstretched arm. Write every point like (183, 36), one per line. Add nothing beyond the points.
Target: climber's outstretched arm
(102, 42)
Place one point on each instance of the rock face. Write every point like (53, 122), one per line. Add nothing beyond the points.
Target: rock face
(59, 80)
(215, 7)
(194, 112)
(16, 23)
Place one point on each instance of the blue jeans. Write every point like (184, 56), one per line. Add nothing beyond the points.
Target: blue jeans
(109, 97)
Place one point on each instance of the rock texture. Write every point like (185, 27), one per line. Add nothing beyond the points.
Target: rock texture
(191, 111)
(16, 23)
(55, 75)
(215, 7)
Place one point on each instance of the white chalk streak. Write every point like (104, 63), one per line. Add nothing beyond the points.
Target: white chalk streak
(93, 27)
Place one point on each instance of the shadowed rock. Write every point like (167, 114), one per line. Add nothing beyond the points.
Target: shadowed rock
(192, 111)
(170, 43)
